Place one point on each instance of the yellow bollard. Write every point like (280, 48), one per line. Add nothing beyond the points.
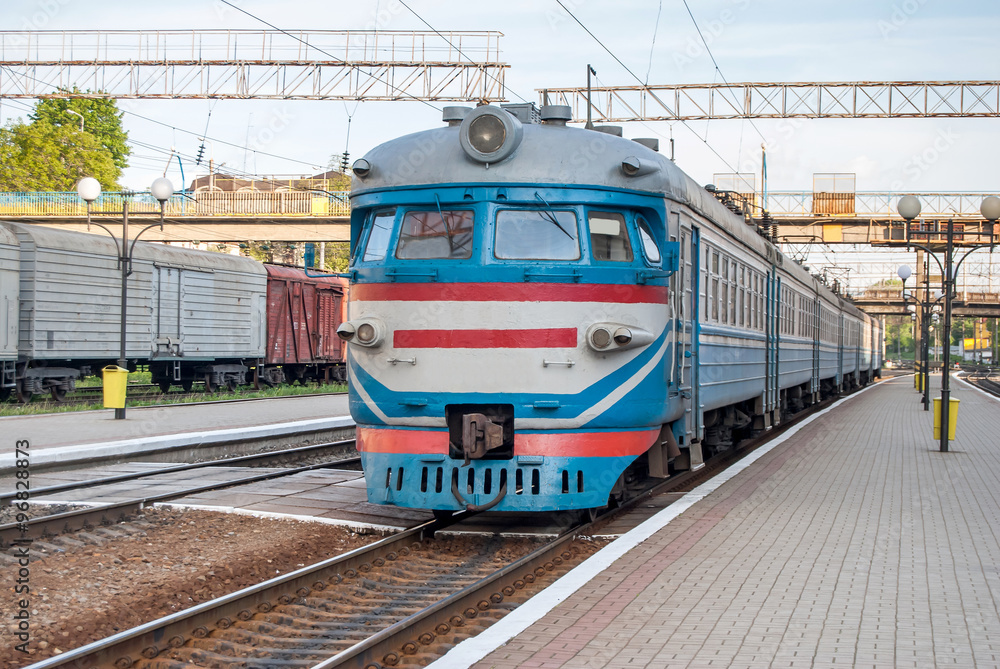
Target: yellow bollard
(115, 380)
(952, 418)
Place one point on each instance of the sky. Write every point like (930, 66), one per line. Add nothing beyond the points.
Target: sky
(750, 40)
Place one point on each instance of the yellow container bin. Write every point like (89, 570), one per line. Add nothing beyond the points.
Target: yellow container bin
(952, 418)
(115, 380)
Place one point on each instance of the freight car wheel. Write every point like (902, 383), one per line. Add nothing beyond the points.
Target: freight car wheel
(4, 394)
(22, 396)
(164, 386)
(210, 386)
(232, 385)
(187, 385)
(58, 394)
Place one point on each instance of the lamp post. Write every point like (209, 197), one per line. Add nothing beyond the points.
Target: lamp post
(909, 208)
(925, 305)
(89, 189)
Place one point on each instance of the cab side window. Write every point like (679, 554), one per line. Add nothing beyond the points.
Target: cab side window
(609, 237)
(649, 247)
(378, 236)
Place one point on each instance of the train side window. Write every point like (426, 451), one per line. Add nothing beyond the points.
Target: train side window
(649, 247)
(435, 234)
(378, 235)
(608, 237)
(536, 234)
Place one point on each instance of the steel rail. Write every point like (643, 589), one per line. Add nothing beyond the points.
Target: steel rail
(122, 650)
(108, 513)
(7, 497)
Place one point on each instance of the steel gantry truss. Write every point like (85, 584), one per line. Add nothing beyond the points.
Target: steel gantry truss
(857, 99)
(259, 64)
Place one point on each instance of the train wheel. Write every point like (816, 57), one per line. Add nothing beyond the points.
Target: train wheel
(210, 386)
(232, 385)
(187, 385)
(22, 396)
(164, 386)
(4, 394)
(58, 394)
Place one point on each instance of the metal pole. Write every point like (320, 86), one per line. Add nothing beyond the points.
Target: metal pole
(122, 361)
(947, 283)
(590, 124)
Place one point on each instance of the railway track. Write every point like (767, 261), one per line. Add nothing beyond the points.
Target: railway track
(399, 602)
(43, 526)
(92, 397)
(988, 381)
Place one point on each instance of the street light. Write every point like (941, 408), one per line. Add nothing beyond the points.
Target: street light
(922, 367)
(89, 189)
(909, 208)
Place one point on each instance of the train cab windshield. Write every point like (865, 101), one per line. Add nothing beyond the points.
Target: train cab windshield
(536, 234)
(532, 234)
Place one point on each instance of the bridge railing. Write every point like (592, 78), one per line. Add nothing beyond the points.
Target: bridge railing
(871, 203)
(205, 203)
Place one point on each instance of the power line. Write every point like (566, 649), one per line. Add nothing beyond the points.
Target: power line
(641, 83)
(717, 68)
(172, 127)
(435, 30)
(326, 53)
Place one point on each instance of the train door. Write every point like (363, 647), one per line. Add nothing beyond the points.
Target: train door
(771, 355)
(840, 351)
(817, 315)
(167, 319)
(690, 244)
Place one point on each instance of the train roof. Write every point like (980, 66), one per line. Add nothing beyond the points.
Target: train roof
(555, 154)
(102, 244)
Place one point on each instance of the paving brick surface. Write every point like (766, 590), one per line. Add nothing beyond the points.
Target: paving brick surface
(856, 543)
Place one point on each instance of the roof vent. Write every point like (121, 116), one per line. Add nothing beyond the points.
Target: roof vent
(556, 114)
(649, 143)
(454, 116)
(615, 130)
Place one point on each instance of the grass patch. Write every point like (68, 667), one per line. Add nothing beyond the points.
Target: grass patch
(44, 406)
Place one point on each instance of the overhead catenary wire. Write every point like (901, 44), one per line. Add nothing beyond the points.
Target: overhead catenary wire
(327, 53)
(175, 128)
(641, 83)
(436, 32)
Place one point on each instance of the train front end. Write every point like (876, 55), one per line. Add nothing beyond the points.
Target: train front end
(510, 332)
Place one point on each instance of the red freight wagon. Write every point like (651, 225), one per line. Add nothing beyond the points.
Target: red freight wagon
(303, 314)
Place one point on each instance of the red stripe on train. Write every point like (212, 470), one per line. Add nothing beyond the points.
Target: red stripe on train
(566, 444)
(508, 292)
(539, 338)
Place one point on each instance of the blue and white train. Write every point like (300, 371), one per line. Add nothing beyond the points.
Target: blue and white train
(541, 316)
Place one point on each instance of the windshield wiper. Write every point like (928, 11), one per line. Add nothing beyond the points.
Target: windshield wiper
(551, 216)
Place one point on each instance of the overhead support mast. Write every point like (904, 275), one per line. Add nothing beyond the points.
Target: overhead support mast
(253, 64)
(855, 99)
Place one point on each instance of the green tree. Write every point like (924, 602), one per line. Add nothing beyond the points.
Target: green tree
(101, 119)
(39, 156)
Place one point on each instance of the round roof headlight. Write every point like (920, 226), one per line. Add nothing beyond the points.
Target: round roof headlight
(486, 134)
(490, 134)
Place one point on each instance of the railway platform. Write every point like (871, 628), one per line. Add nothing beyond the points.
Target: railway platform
(850, 540)
(86, 435)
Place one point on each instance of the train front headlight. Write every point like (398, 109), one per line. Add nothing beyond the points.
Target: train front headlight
(369, 332)
(608, 337)
(366, 333)
(346, 331)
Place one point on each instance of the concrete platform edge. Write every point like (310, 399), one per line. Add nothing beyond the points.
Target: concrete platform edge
(154, 443)
(474, 649)
(357, 528)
